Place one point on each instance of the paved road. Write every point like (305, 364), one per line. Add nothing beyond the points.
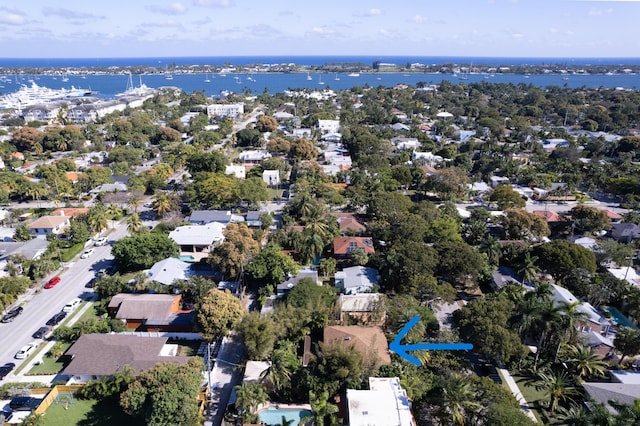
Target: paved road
(40, 304)
(224, 377)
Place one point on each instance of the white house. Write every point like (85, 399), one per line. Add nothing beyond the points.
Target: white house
(169, 270)
(329, 126)
(356, 279)
(271, 177)
(236, 170)
(254, 156)
(225, 110)
(385, 404)
(197, 241)
(429, 158)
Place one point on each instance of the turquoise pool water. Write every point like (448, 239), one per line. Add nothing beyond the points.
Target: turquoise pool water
(273, 416)
(187, 258)
(618, 319)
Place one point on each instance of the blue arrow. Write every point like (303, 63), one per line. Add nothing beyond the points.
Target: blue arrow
(402, 350)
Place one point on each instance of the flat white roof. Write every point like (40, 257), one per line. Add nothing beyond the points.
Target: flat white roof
(385, 404)
(198, 234)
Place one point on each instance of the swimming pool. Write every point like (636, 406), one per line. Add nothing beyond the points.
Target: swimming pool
(273, 416)
(618, 318)
(187, 258)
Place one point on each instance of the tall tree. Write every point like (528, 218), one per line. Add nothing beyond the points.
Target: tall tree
(165, 395)
(627, 341)
(236, 251)
(218, 313)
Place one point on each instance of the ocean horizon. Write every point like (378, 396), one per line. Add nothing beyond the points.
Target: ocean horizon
(311, 60)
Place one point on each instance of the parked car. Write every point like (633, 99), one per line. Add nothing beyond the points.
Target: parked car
(52, 282)
(12, 314)
(55, 320)
(91, 283)
(99, 242)
(72, 305)
(26, 351)
(87, 254)
(42, 332)
(24, 403)
(6, 369)
(6, 415)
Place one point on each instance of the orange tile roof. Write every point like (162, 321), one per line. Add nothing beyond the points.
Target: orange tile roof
(72, 176)
(550, 216)
(70, 211)
(345, 245)
(613, 215)
(348, 221)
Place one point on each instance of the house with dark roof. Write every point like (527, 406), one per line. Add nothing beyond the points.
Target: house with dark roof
(286, 286)
(504, 276)
(151, 312)
(97, 355)
(625, 232)
(203, 217)
(343, 246)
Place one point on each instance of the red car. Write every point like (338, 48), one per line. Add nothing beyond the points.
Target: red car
(52, 282)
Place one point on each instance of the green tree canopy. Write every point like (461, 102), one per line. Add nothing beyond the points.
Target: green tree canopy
(217, 313)
(141, 251)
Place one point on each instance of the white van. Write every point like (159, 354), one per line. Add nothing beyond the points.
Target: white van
(71, 305)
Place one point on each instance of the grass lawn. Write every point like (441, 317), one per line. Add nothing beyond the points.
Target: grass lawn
(49, 365)
(186, 347)
(89, 412)
(89, 314)
(531, 394)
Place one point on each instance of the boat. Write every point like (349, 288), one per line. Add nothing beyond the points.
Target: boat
(34, 94)
(206, 78)
(167, 74)
(131, 90)
(337, 78)
(309, 77)
(354, 74)
(320, 82)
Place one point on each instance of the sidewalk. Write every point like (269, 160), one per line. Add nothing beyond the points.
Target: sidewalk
(524, 405)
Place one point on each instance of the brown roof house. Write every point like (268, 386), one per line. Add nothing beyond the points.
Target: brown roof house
(74, 212)
(97, 355)
(369, 341)
(343, 246)
(45, 225)
(151, 312)
(349, 224)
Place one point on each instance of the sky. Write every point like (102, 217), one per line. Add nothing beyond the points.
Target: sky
(150, 28)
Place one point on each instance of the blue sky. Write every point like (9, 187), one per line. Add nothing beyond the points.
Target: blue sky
(508, 28)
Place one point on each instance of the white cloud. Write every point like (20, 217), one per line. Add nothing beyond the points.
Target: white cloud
(172, 9)
(418, 19)
(169, 23)
(213, 3)
(324, 32)
(12, 19)
(517, 36)
(599, 12)
(69, 14)
(369, 13)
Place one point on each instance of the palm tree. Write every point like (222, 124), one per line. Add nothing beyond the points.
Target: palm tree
(549, 317)
(556, 388)
(134, 203)
(627, 341)
(528, 268)
(456, 398)
(113, 210)
(134, 224)
(571, 317)
(572, 416)
(282, 365)
(321, 408)
(285, 422)
(583, 362)
(97, 219)
(163, 204)
(492, 249)
(249, 396)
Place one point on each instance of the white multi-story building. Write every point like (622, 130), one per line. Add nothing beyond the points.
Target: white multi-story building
(225, 110)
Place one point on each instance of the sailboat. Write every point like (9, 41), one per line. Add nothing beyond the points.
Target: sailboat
(320, 82)
(206, 78)
(167, 75)
(337, 78)
(309, 77)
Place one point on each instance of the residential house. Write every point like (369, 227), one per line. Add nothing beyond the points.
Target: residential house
(343, 246)
(607, 392)
(405, 144)
(364, 309)
(504, 276)
(426, 158)
(595, 329)
(45, 225)
(586, 242)
(237, 170)
(357, 279)
(204, 217)
(368, 341)
(613, 216)
(271, 177)
(74, 212)
(253, 218)
(329, 126)
(626, 273)
(151, 312)
(286, 286)
(254, 156)
(169, 270)
(498, 180)
(197, 241)
(349, 224)
(96, 355)
(110, 187)
(625, 232)
(385, 404)
(549, 216)
(30, 250)
(225, 110)
(304, 133)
